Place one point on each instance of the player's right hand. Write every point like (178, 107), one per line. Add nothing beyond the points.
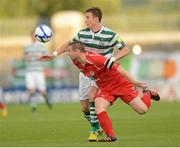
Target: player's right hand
(45, 58)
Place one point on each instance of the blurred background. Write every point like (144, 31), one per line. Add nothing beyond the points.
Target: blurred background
(150, 28)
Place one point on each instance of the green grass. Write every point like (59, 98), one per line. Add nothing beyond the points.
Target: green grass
(65, 126)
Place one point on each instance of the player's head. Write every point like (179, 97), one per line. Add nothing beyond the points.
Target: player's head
(76, 45)
(75, 48)
(93, 16)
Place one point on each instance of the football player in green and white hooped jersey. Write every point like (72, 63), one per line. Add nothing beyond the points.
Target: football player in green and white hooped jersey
(98, 39)
(34, 76)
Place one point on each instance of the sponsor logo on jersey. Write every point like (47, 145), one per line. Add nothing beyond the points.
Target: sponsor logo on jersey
(86, 41)
(101, 43)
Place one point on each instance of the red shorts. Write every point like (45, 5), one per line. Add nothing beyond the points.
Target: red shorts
(126, 92)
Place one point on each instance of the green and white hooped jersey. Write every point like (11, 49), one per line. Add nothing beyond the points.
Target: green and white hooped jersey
(34, 51)
(101, 42)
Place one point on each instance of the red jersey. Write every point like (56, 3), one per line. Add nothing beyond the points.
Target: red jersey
(111, 83)
(96, 69)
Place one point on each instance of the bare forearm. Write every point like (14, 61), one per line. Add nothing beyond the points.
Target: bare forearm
(127, 75)
(122, 53)
(61, 49)
(131, 79)
(55, 53)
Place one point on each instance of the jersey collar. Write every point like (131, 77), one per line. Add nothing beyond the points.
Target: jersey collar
(97, 31)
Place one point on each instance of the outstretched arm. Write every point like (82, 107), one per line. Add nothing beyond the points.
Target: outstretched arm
(55, 53)
(120, 49)
(131, 79)
(61, 49)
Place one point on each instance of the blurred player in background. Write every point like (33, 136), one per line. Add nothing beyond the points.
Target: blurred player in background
(113, 82)
(97, 39)
(2, 105)
(35, 77)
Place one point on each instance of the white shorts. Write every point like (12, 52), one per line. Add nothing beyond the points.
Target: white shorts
(84, 85)
(35, 80)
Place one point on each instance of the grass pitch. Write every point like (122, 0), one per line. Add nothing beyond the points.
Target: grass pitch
(65, 126)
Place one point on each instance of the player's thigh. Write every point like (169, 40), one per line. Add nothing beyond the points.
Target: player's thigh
(84, 105)
(138, 105)
(101, 104)
(84, 85)
(30, 81)
(126, 92)
(41, 82)
(132, 97)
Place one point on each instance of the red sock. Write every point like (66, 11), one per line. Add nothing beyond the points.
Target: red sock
(106, 124)
(146, 99)
(2, 105)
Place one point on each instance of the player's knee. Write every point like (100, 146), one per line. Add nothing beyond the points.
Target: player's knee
(91, 97)
(92, 94)
(43, 93)
(42, 90)
(99, 110)
(31, 92)
(142, 110)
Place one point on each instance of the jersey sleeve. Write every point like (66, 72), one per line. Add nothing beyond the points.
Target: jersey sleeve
(110, 64)
(97, 59)
(117, 42)
(101, 61)
(115, 66)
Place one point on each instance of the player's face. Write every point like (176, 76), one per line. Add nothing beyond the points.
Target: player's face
(90, 20)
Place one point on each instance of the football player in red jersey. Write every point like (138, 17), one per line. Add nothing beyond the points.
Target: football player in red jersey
(113, 82)
(98, 39)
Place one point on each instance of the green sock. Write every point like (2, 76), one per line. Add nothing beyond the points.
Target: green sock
(87, 116)
(94, 120)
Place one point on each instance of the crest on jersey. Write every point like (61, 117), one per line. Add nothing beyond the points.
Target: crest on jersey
(91, 73)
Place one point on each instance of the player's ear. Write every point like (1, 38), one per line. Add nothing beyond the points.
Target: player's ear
(96, 18)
